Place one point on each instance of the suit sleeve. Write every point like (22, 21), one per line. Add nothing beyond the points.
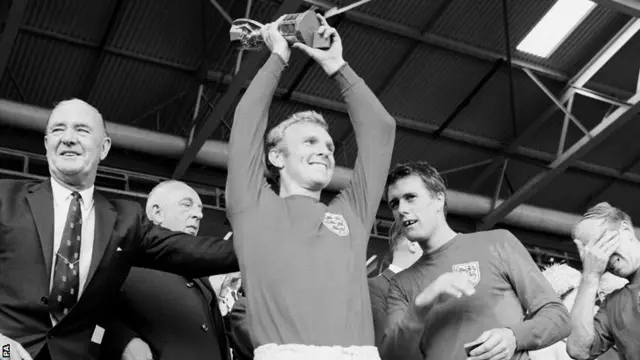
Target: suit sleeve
(117, 333)
(375, 131)
(549, 320)
(239, 334)
(180, 253)
(246, 166)
(378, 309)
(403, 328)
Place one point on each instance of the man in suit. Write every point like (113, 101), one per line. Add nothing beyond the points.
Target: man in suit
(404, 253)
(65, 250)
(162, 315)
(238, 330)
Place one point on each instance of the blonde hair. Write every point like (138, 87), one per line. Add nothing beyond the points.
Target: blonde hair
(612, 216)
(276, 134)
(396, 236)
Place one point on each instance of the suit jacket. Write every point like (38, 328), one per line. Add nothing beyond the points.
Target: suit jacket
(378, 288)
(178, 317)
(124, 237)
(238, 329)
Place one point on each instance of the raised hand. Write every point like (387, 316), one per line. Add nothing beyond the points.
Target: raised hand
(595, 255)
(331, 59)
(448, 285)
(274, 39)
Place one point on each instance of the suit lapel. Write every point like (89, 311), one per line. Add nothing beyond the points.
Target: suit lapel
(388, 274)
(105, 222)
(40, 200)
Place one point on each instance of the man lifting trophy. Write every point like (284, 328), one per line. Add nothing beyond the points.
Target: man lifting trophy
(300, 27)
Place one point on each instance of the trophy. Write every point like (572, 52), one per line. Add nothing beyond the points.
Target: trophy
(300, 27)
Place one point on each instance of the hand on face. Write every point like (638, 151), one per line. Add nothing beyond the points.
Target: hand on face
(595, 255)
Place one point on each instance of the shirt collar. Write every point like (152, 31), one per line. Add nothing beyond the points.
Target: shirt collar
(396, 269)
(61, 193)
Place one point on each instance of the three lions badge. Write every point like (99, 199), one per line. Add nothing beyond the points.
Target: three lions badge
(336, 223)
(472, 269)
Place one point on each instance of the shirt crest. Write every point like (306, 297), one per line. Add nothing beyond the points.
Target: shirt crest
(336, 223)
(472, 269)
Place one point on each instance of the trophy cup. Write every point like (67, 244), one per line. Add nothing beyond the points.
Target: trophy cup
(300, 27)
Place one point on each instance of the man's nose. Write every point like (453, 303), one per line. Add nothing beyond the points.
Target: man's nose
(68, 136)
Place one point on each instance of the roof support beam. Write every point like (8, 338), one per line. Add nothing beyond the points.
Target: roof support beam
(608, 126)
(456, 46)
(629, 7)
(520, 153)
(10, 33)
(578, 81)
(246, 73)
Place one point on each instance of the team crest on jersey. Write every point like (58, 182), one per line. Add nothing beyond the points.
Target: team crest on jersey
(472, 269)
(336, 223)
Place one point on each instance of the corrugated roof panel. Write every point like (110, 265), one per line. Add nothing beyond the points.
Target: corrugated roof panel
(372, 53)
(589, 112)
(413, 13)
(480, 23)
(163, 29)
(48, 71)
(121, 80)
(431, 83)
(587, 39)
(489, 112)
(622, 195)
(620, 150)
(81, 19)
(622, 70)
(555, 195)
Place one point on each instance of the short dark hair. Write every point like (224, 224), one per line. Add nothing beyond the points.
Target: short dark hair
(431, 178)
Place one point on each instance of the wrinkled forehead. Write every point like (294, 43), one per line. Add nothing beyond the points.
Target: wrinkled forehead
(591, 229)
(75, 113)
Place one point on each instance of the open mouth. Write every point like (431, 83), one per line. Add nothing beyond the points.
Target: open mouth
(408, 223)
(320, 164)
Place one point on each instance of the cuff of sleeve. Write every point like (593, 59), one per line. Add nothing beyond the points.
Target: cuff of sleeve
(275, 64)
(521, 332)
(346, 77)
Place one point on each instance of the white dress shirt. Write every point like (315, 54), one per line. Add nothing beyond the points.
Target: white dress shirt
(61, 200)
(396, 269)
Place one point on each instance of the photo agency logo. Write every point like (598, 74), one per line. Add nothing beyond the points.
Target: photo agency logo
(6, 351)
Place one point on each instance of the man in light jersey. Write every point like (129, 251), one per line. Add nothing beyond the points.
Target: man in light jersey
(303, 260)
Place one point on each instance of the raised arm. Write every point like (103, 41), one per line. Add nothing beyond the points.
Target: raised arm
(373, 126)
(403, 327)
(246, 167)
(549, 320)
(591, 337)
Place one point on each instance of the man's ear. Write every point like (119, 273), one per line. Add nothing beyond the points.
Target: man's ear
(157, 215)
(276, 158)
(440, 199)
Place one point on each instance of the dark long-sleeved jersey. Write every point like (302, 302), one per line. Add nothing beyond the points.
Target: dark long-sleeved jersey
(508, 284)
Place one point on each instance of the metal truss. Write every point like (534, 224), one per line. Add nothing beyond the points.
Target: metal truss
(10, 33)
(624, 112)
